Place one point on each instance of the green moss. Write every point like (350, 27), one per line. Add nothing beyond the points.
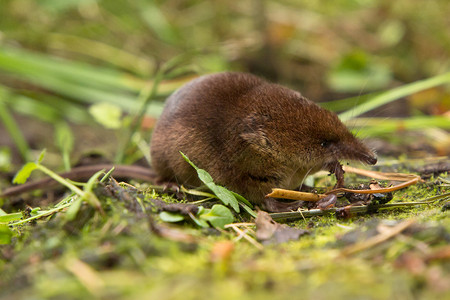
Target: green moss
(129, 261)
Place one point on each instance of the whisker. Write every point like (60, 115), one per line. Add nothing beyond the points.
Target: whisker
(304, 177)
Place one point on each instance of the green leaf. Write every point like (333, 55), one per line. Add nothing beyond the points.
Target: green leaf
(5, 234)
(41, 156)
(218, 216)
(73, 209)
(171, 217)
(64, 140)
(107, 114)
(10, 217)
(24, 173)
(93, 180)
(188, 160)
(35, 211)
(200, 222)
(242, 199)
(250, 211)
(201, 210)
(107, 175)
(197, 193)
(205, 177)
(226, 196)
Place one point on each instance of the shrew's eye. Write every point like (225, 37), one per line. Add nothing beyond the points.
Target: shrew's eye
(325, 143)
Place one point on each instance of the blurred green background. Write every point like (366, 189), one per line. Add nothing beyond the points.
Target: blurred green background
(58, 57)
(344, 45)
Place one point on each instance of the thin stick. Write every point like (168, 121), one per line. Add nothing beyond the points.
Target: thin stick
(86, 275)
(351, 209)
(382, 190)
(380, 175)
(240, 224)
(378, 239)
(295, 195)
(246, 236)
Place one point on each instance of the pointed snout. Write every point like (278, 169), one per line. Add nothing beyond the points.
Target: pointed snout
(370, 158)
(358, 151)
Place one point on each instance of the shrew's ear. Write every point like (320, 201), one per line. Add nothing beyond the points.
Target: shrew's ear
(254, 130)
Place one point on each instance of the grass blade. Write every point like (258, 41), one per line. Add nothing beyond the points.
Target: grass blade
(395, 94)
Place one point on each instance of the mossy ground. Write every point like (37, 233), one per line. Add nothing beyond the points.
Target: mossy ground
(119, 256)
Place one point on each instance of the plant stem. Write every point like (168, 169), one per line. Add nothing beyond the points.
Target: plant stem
(13, 130)
(61, 180)
(144, 98)
(46, 213)
(394, 94)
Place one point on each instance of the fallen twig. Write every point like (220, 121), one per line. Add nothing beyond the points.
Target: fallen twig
(295, 195)
(350, 209)
(375, 191)
(245, 235)
(409, 179)
(378, 239)
(380, 175)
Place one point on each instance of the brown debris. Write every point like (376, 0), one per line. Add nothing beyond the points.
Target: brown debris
(268, 231)
(128, 196)
(328, 202)
(434, 169)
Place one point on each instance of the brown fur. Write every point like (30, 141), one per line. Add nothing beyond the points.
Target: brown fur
(250, 135)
